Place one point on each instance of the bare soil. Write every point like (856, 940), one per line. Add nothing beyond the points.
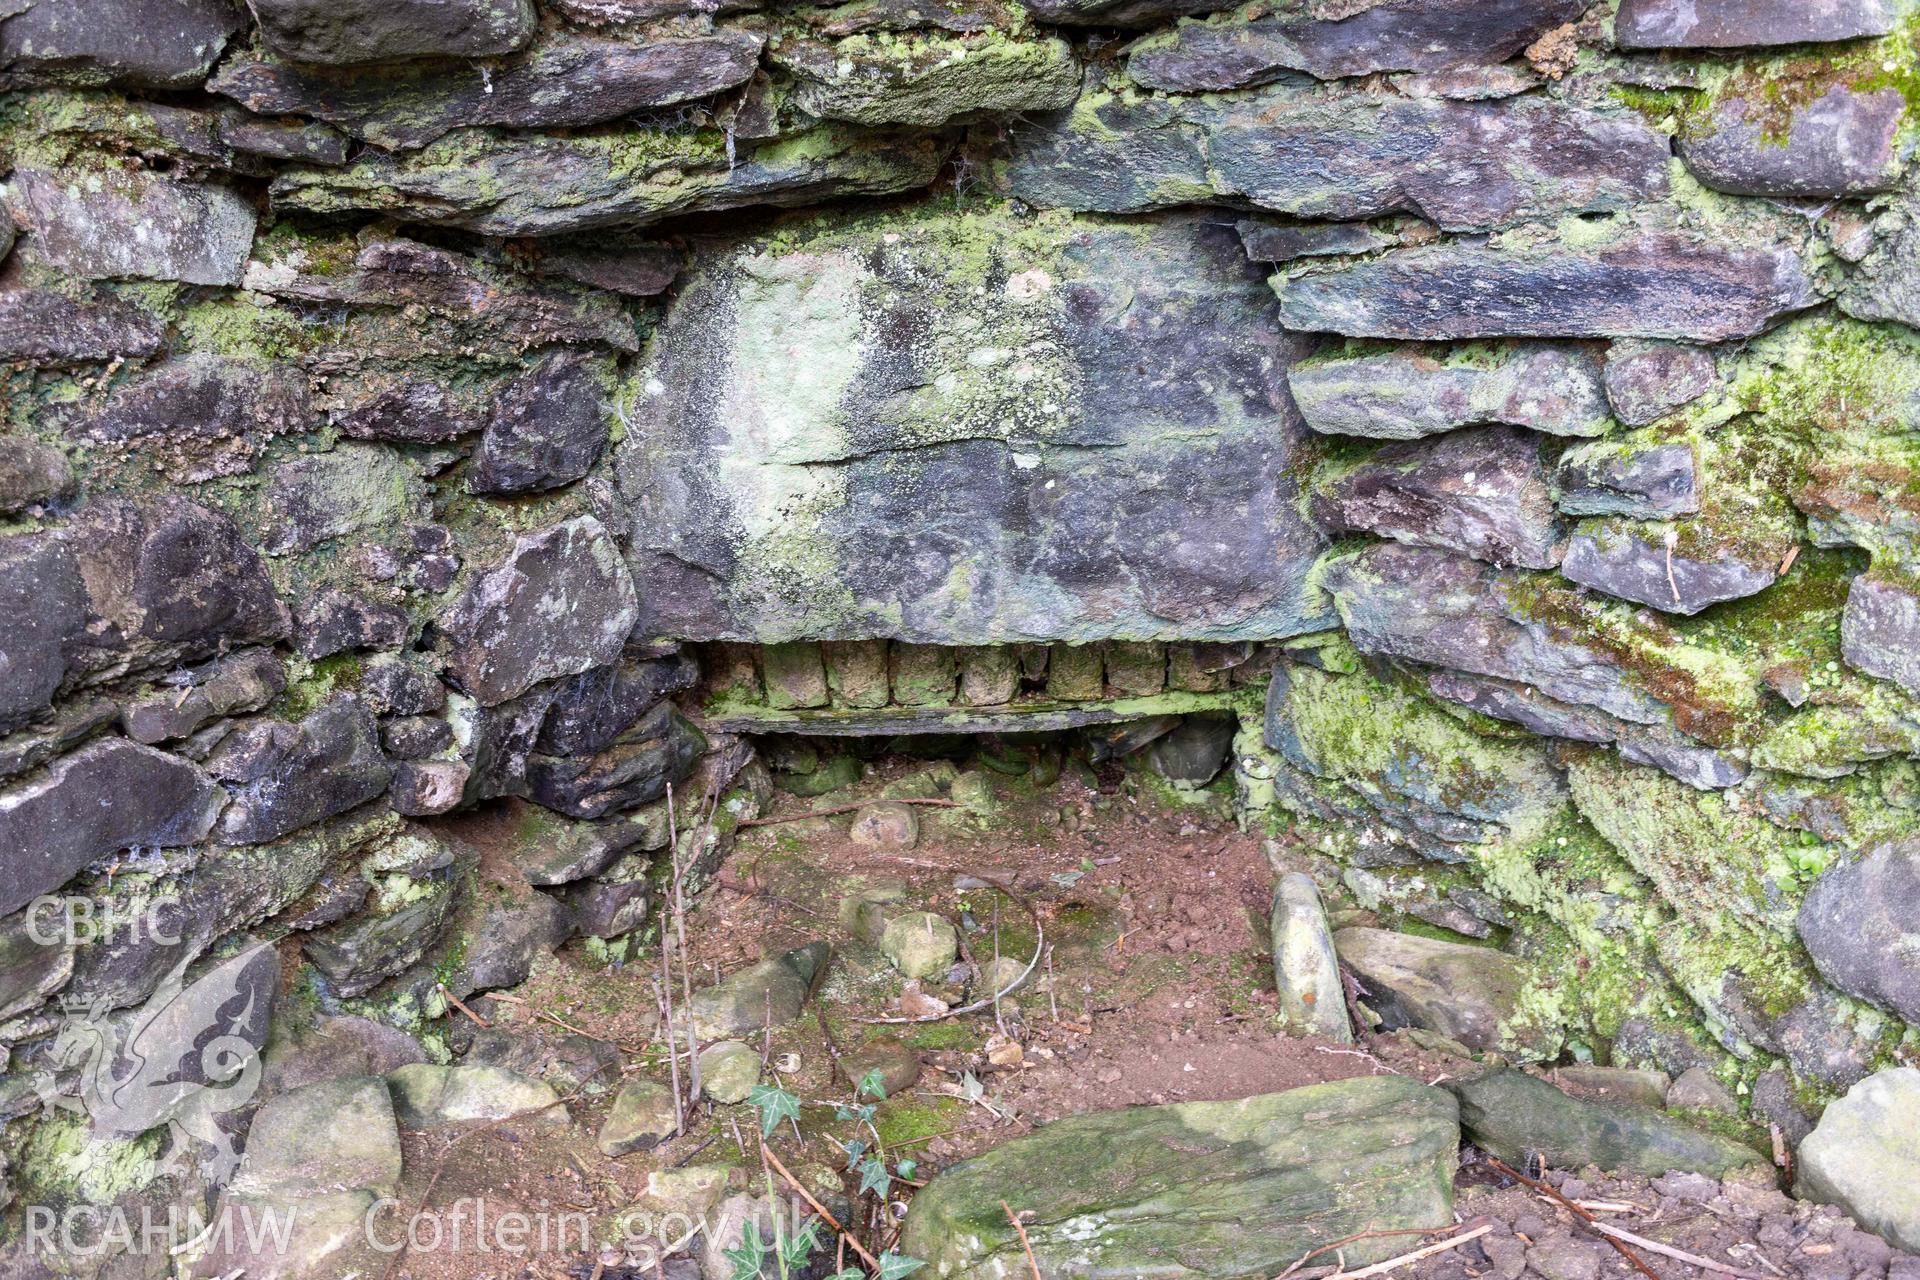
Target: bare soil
(1153, 985)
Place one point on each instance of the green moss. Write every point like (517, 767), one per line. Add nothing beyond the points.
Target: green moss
(62, 1162)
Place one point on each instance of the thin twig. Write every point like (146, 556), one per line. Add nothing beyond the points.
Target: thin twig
(686, 962)
(818, 1208)
(461, 1005)
(839, 808)
(1039, 949)
(1678, 1255)
(1343, 1241)
(1638, 1262)
(1026, 1245)
(1394, 1264)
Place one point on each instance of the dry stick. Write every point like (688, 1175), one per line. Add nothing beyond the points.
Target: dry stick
(1025, 1245)
(1039, 949)
(839, 808)
(663, 992)
(818, 1208)
(686, 960)
(1394, 1264)
(1344, 1241)
(1680, 1255)
(459, 1004)
(833, 1049)
(1638, 1262)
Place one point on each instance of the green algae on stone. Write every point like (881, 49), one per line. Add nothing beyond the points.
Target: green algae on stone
(1707, 852)
(1199, 1189)
(1401, 752)
(507, 184)
(1512, 1114)
(927, 78)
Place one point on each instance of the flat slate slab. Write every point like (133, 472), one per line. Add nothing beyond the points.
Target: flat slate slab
(970, 430)
(1199, 1189)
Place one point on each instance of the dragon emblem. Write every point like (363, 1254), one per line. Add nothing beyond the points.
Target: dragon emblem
(187, 1056)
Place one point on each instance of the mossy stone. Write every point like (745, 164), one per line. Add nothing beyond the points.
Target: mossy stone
(1203, 1190)
(728, 1071)
(1510, 1113)
(920, 944)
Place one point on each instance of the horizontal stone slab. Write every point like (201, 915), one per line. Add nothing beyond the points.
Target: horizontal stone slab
(970, 429)
(46, 327)
(1629, 281)
(354, 31)
(506, 184)
(1199, 1190)
(1841, 144)
(1015, 717)
(133, 224)
(53, 826)
(1483, 492)
(1410, 392)
(1341, 156)
(1415, 35)
(565, 82)
(927, 78)
(148, 44)
(1732, 24)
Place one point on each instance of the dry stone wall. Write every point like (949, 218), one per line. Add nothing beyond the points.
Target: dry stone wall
(1531, 387)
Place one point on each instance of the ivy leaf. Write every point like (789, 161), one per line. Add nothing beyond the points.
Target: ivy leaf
(796, 1249)
(854, 1148)
(874, 1178)
(747, 1256)
(895, 1265)
(973, 1088)
(872, 1085)
(851, 1273)
(775, 1105)
(907, 1168)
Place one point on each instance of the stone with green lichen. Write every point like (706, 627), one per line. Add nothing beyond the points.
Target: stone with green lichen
(834, 772)
(857, 672)
(896, 380)
(989, 675)
(793, 675)
(426, 1096)
(549, 849)
(644, 1115)
(1234, 51)
(1732, 547)
(1339, 154)
(336, 1135)
(1305, 969)
(1408, 757)
(564, 81)
(1199, 1189)
(1077, 673)
(1466, 993)
(728, 1071)
(533, 184)
(1708, 853)
(771, 993)
(920, 944)
(132, 224)
(1135, 668)
(927, 78)
(1400, 394)
(1512, 1114)
(1865, 1156)
(922, 675)
(1629, 277)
